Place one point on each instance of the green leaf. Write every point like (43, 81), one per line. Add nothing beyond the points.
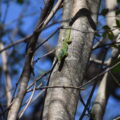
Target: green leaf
(104, 12)
(116, 69)
(117, 12)
(106, 27)
(110, 35)
(20, 1)
(97, 34)
(14, 71)
(118, 23)
(118, 1)
(115, 46)
(104, 34)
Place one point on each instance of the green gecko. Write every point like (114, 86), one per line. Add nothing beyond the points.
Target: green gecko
(62, 52)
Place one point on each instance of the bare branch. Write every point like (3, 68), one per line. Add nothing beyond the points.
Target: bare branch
(17, 42)
(52, 51)
(13, 113)
(29, 101)
(47, 38)
(102, 73)
(7, 74)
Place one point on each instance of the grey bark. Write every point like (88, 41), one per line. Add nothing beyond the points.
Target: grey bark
(60, 103)
(7, 74)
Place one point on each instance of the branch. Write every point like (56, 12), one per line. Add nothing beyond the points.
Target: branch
(103, 91)
(13, 113)
(102, 73)
(36, 80)
(17, 42)
(29, 101)
(7, 74)
(47, 38)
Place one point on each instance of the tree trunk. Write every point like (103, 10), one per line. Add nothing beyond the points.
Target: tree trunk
(61, 103)
(107, 82)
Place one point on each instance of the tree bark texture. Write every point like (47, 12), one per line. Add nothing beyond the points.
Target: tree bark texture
(61, 103)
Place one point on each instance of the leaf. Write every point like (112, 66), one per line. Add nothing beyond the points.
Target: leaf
(118, 23)
(118, 1)
(97, 34)
(104, 34)
(104, 12)
(20, 1)
(110, 35)
(115, 46)
(117, 12)
(116, 69)
(106, 27)
(14, 71)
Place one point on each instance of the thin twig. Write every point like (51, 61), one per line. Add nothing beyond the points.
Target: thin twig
(28, 37)
(57, 86)
(106, 63)
(47, 38)
(88, 101)
(82, 86)
(102, 73)
(36, 80)
(81, 99)
(104, 45)
(29, 101)
(48, 53)
(17, 42)
(56, 7)
(114, 78)
(6, 11)
(36, 97)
